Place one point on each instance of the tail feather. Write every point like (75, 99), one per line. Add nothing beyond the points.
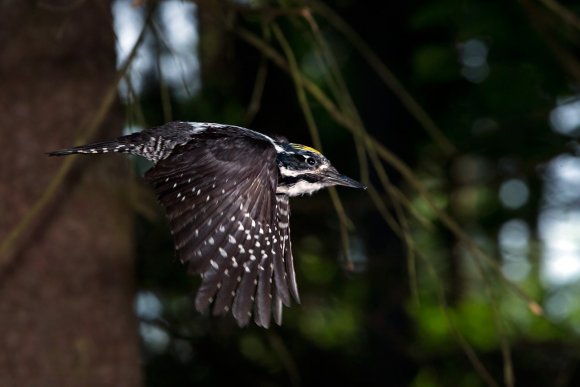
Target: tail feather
(99, 147)
(153, 144)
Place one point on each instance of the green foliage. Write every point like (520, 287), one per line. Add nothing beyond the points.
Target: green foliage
(331, 325)
(435, 63)
(472, 319)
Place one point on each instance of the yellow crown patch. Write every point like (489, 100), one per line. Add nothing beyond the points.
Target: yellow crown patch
(304, 148)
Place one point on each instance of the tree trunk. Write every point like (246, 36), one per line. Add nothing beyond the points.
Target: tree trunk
(66, 293)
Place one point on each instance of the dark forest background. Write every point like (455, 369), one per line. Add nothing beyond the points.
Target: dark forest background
(459, 266)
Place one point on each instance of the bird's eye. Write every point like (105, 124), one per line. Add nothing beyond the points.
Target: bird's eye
(310, 161)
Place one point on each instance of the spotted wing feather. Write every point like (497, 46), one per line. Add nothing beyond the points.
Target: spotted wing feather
(219, 193)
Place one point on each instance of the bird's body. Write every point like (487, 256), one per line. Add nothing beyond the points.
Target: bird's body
(226, 192)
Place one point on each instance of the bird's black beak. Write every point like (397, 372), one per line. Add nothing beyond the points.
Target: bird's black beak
(334, 178)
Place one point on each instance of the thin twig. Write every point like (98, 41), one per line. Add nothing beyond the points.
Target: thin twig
(345, 222)
(405, 229)
(387, 76)
(161, 38)
(563, 13)
(404, 200)
(133, 104)
(382, 208)
(467, 349)
(257, 92)
(165, 95)
(295, 73)
(503, 341)
(339, 88)
(285, 356)
(508, 366)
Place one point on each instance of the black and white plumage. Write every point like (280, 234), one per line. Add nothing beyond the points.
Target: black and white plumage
(226, 192)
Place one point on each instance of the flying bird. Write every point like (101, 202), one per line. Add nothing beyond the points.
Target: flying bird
(225, 190)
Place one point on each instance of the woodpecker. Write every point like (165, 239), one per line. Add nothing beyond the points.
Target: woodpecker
(225, 191)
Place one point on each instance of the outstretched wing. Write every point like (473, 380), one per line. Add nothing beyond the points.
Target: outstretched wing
(219, 193)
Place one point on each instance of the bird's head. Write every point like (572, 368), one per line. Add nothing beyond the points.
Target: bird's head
(304, 170)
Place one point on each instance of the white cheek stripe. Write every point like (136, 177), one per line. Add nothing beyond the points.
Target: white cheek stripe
(289, 172)
(300, 188)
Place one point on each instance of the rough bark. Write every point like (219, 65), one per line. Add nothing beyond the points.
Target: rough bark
(66, 316)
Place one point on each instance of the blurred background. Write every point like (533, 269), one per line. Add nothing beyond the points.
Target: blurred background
(459, 266)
